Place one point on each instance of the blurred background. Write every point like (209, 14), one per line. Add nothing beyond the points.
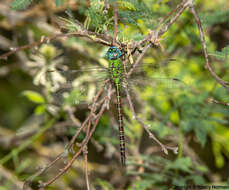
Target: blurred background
(36, 126)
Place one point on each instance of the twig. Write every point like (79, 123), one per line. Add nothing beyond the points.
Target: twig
(182, 7)
(88, 3)
(90, 115)
(85, 152)
(75, 136)
(129, 100)
(210, 100)
(207, 63)
(115, 23)
(67, 166)
(138, 60)
(151, 135)
(72, 117)
(42, 170)
(155, 35)
(99, 38)
(168, 15)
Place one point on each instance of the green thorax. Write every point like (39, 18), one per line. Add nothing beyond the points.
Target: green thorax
(116, 70)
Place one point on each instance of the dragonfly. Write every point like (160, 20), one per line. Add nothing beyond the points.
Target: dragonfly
(62, 80)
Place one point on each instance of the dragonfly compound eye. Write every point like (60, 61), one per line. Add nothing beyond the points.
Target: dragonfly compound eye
(113, 53)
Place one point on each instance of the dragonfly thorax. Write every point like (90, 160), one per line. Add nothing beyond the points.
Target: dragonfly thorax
(116, 70)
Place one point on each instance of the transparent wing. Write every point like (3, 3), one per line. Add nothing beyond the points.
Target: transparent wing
(155, 79)
(160, 67)
(72, 87)
(155, 86)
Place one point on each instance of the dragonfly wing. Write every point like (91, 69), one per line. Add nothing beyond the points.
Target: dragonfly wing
(157, 85)
(152, 67)
(72, 87)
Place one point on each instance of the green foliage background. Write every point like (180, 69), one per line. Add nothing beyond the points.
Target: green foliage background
(30, 136)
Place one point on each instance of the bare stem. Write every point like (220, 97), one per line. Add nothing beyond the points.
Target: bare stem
(151, 135)
(85, 152)
(90, 35)
(203, 42)
(115, 23)
(69, 164)
(217, 102)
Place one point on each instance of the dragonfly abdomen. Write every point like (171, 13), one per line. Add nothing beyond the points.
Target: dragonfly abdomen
(121, 125)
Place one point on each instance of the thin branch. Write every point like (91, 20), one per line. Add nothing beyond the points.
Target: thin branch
(67, 166)
(155, 35)
(62, 171)
(151, 135)
(72, 117)
(138, 60)
(203, 42)
(168, 15)
(88, 3)
(42, 170)
(85, 152)
(89, 117)
(129, 100)
(115, 23)
(99, 38)
(182, 7)
(212, 100)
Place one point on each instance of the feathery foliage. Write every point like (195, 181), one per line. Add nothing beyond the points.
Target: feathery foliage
(221, 55)
(20, 4)
(59, 2)
(216, 17)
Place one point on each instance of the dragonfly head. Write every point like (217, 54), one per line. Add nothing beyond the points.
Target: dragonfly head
(113, 53)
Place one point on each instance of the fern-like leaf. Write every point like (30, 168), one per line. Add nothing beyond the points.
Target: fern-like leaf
(20, 4)
(212, 18)
(222, 55)
(59, 2)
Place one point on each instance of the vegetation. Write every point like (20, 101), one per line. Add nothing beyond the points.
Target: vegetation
(176, 136)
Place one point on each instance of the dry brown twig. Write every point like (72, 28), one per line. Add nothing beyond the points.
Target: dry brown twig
(85, 141)
(115, 23)
(203, 42)
(146, 127)
(69, 146)
(212, 100)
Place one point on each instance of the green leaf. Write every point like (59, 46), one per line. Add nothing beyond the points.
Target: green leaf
(20, 4)
(104, 184)
(222, 55)
(40, 109)
(74, 97)
(201, 168)
(59, 2)
(212, 18)
(183, 164)
(143, 184)
(219, 159)
(197, 179)
(125, 5)
(179, 181)
(201, 133)
(34, 96)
